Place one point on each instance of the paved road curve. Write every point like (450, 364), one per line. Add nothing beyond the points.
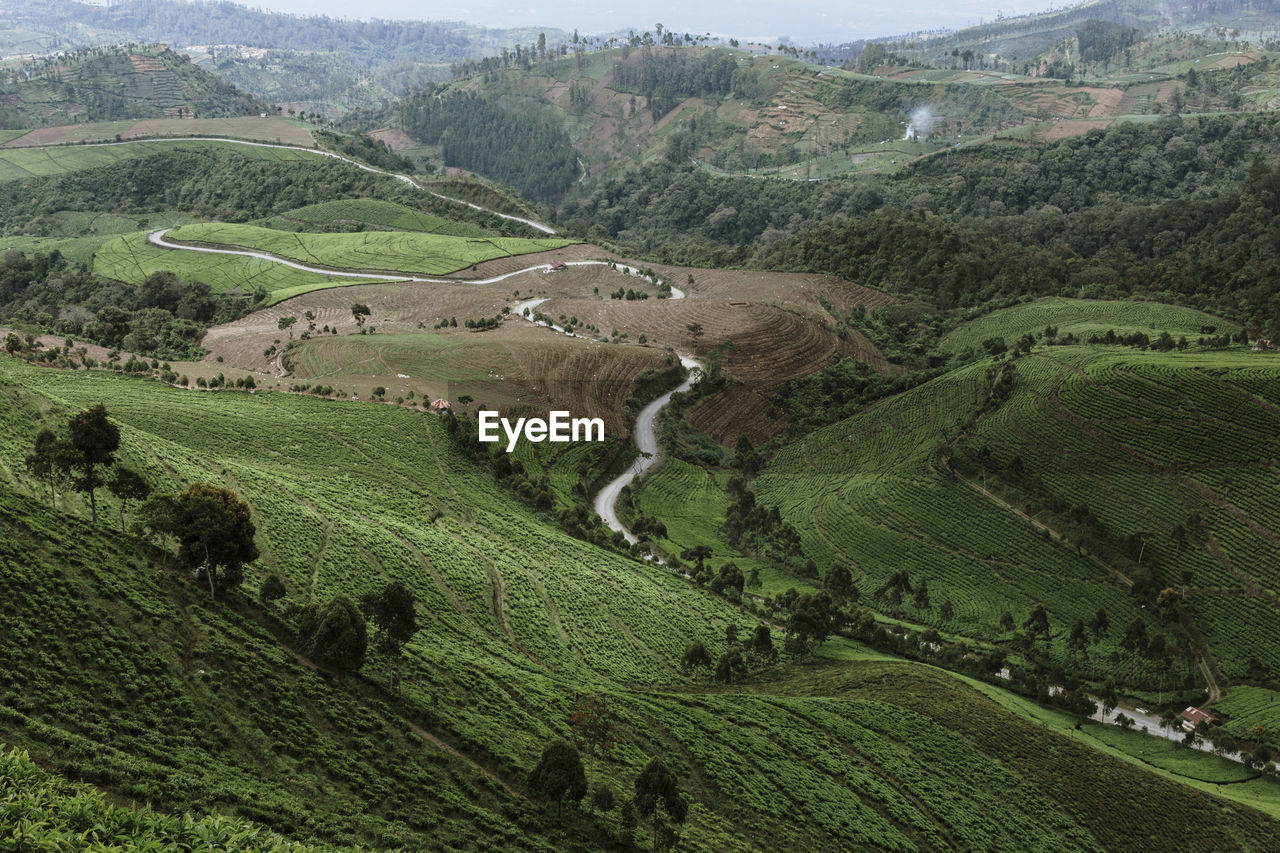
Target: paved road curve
(647, 442)
(545, 229)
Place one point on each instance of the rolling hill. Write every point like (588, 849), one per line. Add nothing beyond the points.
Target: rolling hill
(209, 702)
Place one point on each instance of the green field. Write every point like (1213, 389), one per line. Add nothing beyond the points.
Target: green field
(370, 214)
(208, 706)
(373, 251)
(1146, 441)
(51, 813)
(131, 259)
(1249, 709)
(19, 163)
(1167, 755)
(1083, 317)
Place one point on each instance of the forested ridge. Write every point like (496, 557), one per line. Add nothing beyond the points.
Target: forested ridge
(479, 134)
(1182, 208)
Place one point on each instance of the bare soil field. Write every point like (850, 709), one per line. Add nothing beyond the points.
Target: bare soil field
(270, 129)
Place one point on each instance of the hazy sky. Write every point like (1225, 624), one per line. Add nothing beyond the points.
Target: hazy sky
(806, 21)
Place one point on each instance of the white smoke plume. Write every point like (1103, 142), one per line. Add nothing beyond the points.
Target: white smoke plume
(920, 125)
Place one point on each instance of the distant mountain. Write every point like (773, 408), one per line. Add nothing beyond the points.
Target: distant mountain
(114, 83)
(312, 62)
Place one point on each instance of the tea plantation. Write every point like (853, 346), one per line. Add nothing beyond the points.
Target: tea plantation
(118, 670)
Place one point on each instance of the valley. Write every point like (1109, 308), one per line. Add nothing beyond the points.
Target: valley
(934, 505)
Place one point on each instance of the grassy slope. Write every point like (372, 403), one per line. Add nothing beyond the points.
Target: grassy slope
(412, 253)
(366, 213)
(52, 814)
(19, 163)
(1145, 440)
(131, 259)
(154, 693)
(1084, 317)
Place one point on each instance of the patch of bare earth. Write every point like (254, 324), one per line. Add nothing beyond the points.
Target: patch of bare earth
(394, 138)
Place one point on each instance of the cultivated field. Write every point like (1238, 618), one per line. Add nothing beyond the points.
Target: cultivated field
(1085, 317)
(411, 253)
(515, 617)
(269, 129)
(367, 214)
(19, 163)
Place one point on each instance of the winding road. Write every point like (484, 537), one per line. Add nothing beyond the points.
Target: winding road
(645, 431)
(538, 226)
(647, 442)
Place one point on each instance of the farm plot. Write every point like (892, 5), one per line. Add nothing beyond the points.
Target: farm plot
(516, 618)
(866, 492)
(1084, 317)
(367, 213)
(1254, 713)
(376, 251)
(270, 129)
(19, 163)
(131, 259)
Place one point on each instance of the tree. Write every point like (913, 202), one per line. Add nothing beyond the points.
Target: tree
(839, 583)
(1101, 622)
(658, 792)
(948, 611)
(695, 656)
(728, 581)
(762, 645)
(1077, 639)
(731, 665)
(1037, 623)
(810, 622)
(334, 635)
(559, 775)
(286, 324)
(360, 311)
(695, 332)
(127, 485)
(215, 531)
(51, 461)
(272, 588)
(95, 441)
(1006, 621)
(395, 622)
(745, 457)
(593, 726)
(13, 344)
(603, 797)
(698, 554)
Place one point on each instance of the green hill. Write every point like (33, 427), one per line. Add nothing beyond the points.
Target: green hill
(137, 682)
(1082, 318)
(111, 83)
(1074, 477)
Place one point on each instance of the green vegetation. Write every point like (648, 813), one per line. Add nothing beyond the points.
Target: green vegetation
(367, 214)
(1082, 318)
(478, 134)
(132, 259)
(514, 617)
(1170, 756)
(374, 251)
(46, 812)
(116, 82)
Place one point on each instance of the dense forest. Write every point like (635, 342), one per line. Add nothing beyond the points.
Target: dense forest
(1182, 207)
(478, 134)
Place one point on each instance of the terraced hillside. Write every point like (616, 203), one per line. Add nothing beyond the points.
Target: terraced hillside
(1149, 471)
(113, 83)
(154, 692)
